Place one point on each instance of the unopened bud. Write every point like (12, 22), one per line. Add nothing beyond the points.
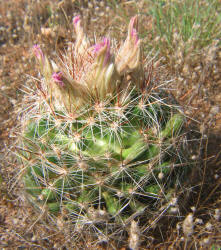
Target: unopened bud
(81, 43)
(128, 57)
(103, 50)
(38, 53)
(102, 78)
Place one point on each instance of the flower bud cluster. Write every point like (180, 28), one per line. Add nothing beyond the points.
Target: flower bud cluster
(88, 72)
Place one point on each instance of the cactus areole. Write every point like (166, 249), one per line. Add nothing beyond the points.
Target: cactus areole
(99, 147)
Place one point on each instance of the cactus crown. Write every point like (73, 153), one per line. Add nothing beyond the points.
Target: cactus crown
(99, 146)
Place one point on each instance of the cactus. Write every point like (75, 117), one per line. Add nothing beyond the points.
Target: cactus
(99, 146)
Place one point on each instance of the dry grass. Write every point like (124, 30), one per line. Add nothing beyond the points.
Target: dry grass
(196, 87)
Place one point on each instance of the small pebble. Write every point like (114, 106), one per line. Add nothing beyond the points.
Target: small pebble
(160, 175)
(198, 221)
(217, 214)
(214, 110)
(188, 225)
(209, 226)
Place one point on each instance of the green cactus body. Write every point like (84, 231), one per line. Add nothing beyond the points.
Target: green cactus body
(105, 153)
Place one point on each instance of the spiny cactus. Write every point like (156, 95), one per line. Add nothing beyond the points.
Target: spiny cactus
(99, 147)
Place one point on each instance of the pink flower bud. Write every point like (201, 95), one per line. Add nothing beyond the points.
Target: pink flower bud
(76, 19)
(57, 77)
(128, 57)
(103, 48)
(131, 30)
(82, 43)
(134, 35)
(38, 53)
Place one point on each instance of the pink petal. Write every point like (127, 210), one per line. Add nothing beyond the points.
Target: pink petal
(38, 52)
(132, 29)
(76, 19)
(99, 46)
(134, 35)
(57, 77)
